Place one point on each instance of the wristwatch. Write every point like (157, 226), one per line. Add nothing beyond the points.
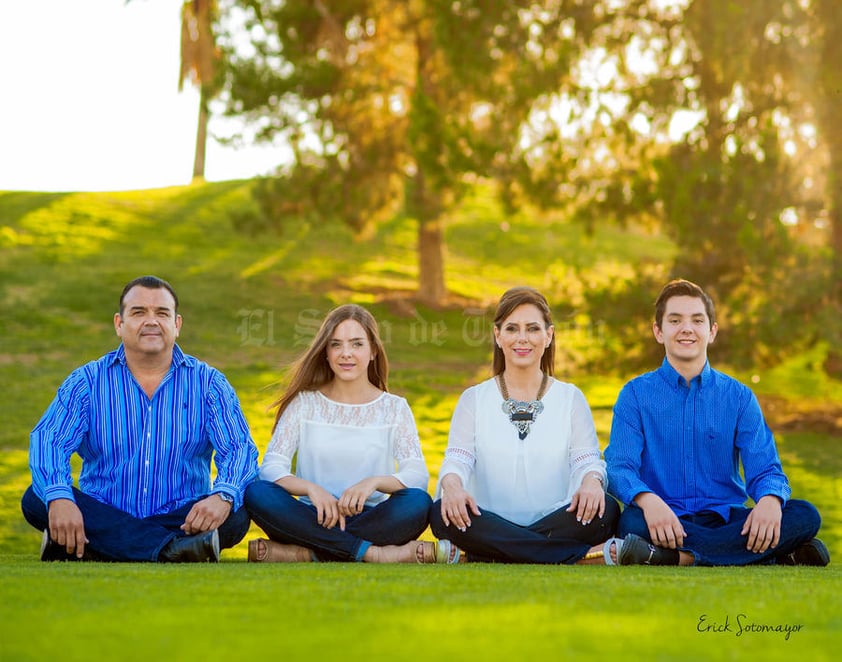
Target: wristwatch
(227, 498)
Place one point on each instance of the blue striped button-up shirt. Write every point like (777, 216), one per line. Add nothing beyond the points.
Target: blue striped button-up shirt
(144, 456)
(685, 442)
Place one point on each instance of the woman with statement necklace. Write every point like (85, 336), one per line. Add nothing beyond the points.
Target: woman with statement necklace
(359, 489)
(522, 480)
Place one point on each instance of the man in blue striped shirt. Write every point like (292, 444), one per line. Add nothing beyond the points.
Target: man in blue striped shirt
(146, 419)
(678, 438)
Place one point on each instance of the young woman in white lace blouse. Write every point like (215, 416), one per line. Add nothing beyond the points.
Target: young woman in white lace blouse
(359, 489)
(522, 479)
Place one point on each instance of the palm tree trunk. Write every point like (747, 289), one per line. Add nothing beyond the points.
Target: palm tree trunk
(201, 137)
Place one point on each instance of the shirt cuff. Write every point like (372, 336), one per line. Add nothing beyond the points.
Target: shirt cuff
(780, 490)
(58, 492)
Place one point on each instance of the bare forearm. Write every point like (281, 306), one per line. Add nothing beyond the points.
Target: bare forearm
(300, 487)
(388, 484)
(295, 485)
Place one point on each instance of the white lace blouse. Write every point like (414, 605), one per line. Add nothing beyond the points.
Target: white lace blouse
(339, 444)
(522, 480)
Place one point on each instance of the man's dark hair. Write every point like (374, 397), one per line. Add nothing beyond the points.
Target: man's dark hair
(151, 283)
(682, 288)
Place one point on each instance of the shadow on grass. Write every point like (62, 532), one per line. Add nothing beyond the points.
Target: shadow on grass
(17, 204)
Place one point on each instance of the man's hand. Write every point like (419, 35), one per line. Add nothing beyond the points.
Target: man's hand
(763, 524)
(206, 515)
(67, 526)
(665, 529)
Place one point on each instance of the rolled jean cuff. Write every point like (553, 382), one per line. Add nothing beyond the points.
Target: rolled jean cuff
(361, 550)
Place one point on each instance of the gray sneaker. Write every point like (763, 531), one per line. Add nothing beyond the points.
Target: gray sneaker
(636, 551)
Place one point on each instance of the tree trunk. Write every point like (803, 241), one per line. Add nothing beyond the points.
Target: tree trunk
(425, 200)
(201, 137)
(431, 289)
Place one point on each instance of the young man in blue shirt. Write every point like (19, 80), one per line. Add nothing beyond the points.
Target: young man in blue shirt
(678, 438)
(146, 420)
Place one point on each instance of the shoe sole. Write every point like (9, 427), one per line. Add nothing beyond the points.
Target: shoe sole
(45, 543)
(215, 547)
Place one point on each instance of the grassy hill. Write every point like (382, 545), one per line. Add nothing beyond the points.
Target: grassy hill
(250, 304)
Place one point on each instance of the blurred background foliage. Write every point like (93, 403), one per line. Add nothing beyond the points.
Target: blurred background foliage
(709, 122)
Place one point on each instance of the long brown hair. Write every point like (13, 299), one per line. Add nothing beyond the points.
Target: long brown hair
(312, 370)
(511, 299)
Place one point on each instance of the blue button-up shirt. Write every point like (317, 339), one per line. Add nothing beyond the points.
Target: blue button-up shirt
(685, 442)
(144, 456)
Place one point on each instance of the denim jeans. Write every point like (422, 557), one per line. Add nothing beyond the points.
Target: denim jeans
(397, 520)
(713, 541)
(115, 535)
(555, 538)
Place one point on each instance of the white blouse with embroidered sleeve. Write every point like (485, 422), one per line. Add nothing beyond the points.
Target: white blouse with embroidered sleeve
(312, 408)
(459, 456)
(528, 478)
(585, 456)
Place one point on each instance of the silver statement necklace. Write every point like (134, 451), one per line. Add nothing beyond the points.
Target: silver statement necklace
(521, 413)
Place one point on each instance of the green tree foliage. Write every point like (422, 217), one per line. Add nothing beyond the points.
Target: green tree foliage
(391, 104)
(743, 193)
(826, 35)
(727, 190)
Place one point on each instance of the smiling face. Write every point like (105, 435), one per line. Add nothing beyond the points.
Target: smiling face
(523, 337)
(349, 352)
(148, 324)
(685, 333)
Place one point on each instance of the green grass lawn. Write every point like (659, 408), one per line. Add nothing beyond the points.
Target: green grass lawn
(363, 612)
(249, 305)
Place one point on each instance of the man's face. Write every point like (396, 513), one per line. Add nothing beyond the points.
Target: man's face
(148, 323)
(685, 330)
